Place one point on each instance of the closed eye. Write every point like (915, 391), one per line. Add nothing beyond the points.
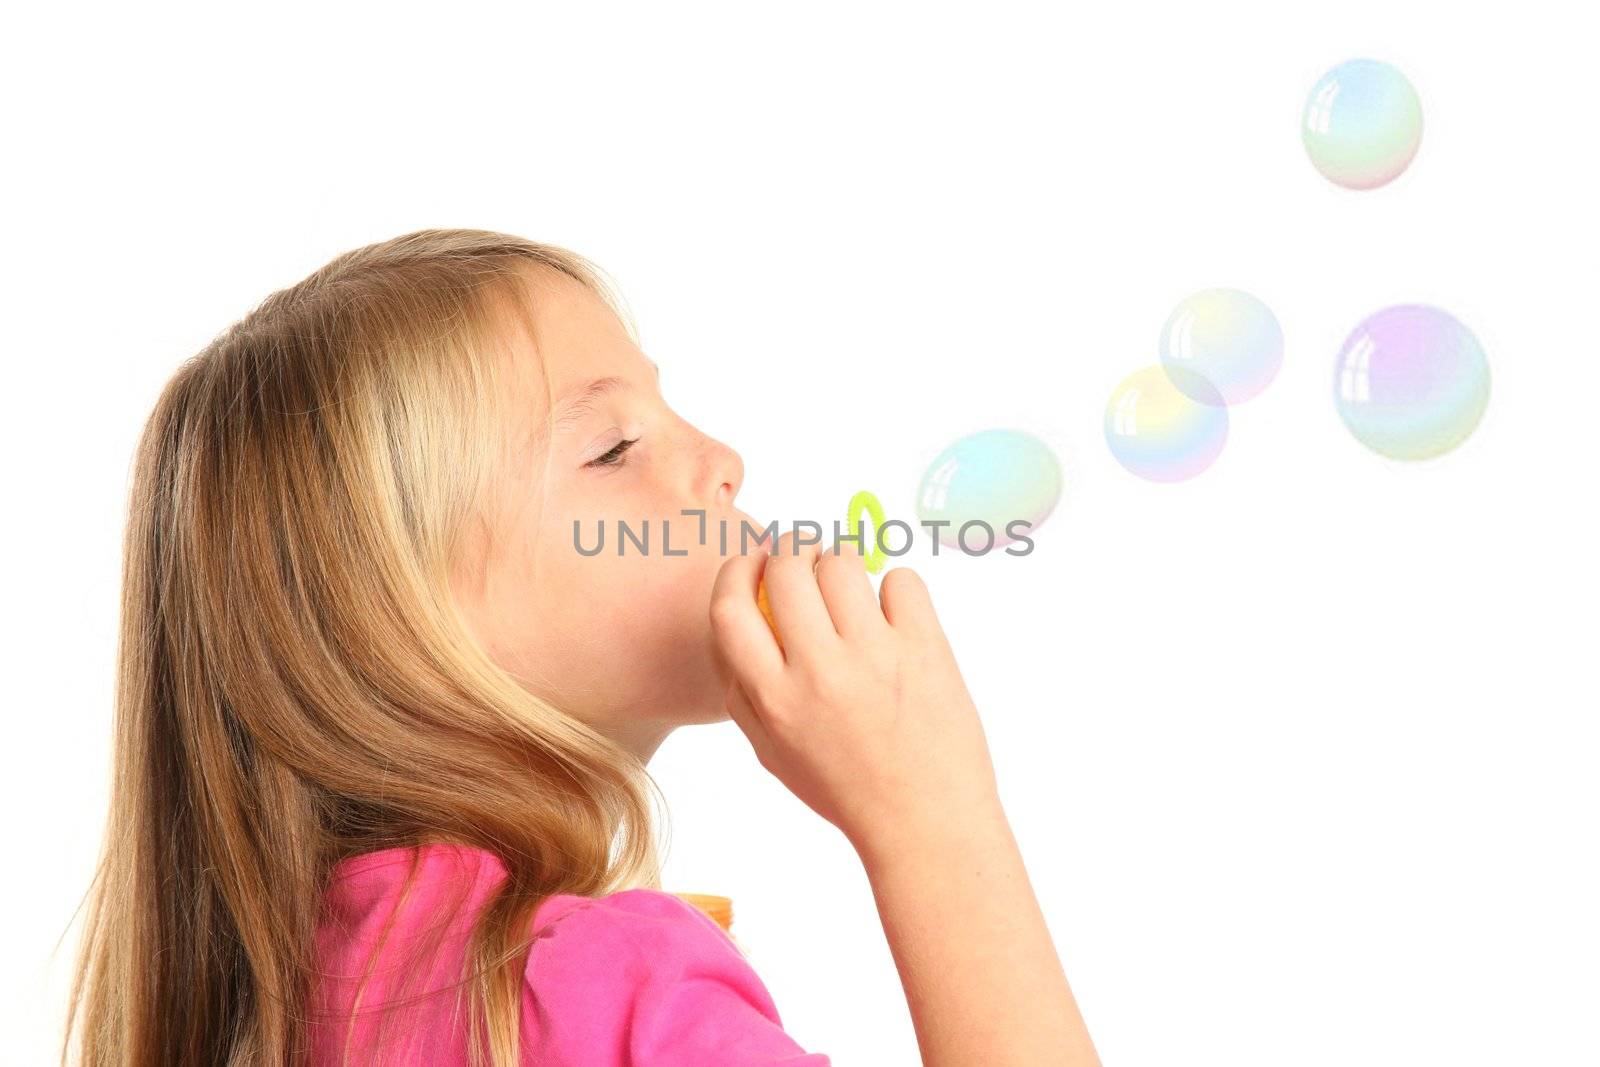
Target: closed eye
(612, 457)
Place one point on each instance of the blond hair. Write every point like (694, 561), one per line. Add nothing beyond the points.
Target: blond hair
(294, 682)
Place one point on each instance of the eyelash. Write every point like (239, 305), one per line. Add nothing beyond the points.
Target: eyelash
(616, 453)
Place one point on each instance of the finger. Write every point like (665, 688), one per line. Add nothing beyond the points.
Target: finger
(907, 605)
(739, 628)
(847, 592)
(796, 601)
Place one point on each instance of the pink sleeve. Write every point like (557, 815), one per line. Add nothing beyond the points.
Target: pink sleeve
(641, 978)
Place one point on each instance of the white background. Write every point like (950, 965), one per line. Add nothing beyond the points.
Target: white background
(1300, 753)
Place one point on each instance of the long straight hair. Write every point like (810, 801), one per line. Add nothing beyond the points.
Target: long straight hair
(294, 683)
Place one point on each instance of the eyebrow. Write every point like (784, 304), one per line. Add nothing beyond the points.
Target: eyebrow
(577, 403)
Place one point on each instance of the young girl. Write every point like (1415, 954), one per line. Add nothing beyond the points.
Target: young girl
(381, 728)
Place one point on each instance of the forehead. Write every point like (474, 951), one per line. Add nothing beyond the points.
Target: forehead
(567, 340)
(576, 335)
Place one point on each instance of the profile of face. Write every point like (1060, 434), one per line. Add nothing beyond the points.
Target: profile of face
(621, 640)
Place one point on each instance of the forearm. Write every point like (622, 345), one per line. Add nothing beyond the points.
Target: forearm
(981, 976)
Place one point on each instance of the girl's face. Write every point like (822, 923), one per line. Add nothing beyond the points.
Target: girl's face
(623, 642)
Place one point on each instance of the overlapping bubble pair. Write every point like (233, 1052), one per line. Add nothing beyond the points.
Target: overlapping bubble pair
(1168, 421)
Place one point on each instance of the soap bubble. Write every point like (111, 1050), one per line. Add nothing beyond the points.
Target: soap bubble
(1411, 382)
(1156, 428)
(1227, 337)
(996, 476)
(1362, 124)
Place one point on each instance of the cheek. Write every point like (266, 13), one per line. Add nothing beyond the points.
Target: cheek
(650, 602)
(670, 601)
(666, 591)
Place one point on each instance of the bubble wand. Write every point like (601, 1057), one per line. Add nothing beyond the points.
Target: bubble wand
(862, 501)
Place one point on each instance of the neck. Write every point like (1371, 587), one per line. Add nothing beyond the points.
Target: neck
(641, 738)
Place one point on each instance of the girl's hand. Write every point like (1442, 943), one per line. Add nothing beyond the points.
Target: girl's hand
(863, 713)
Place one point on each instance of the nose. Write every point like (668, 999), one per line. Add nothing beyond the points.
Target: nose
(722, 471)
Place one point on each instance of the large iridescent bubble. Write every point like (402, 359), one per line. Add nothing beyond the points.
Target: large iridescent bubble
(1229, 338)
(1362, 124)
(1158, 430)
(993, 477)
(1411, 382)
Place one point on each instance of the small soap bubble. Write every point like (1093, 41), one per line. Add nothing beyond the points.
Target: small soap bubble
(1229, 338)
(1362, 124)
(1411, 382)
(993, 476)
(1158, 430)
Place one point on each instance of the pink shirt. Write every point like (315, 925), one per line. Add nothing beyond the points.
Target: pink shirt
(638, 978)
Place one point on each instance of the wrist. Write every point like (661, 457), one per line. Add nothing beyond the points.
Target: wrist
(931, 832)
